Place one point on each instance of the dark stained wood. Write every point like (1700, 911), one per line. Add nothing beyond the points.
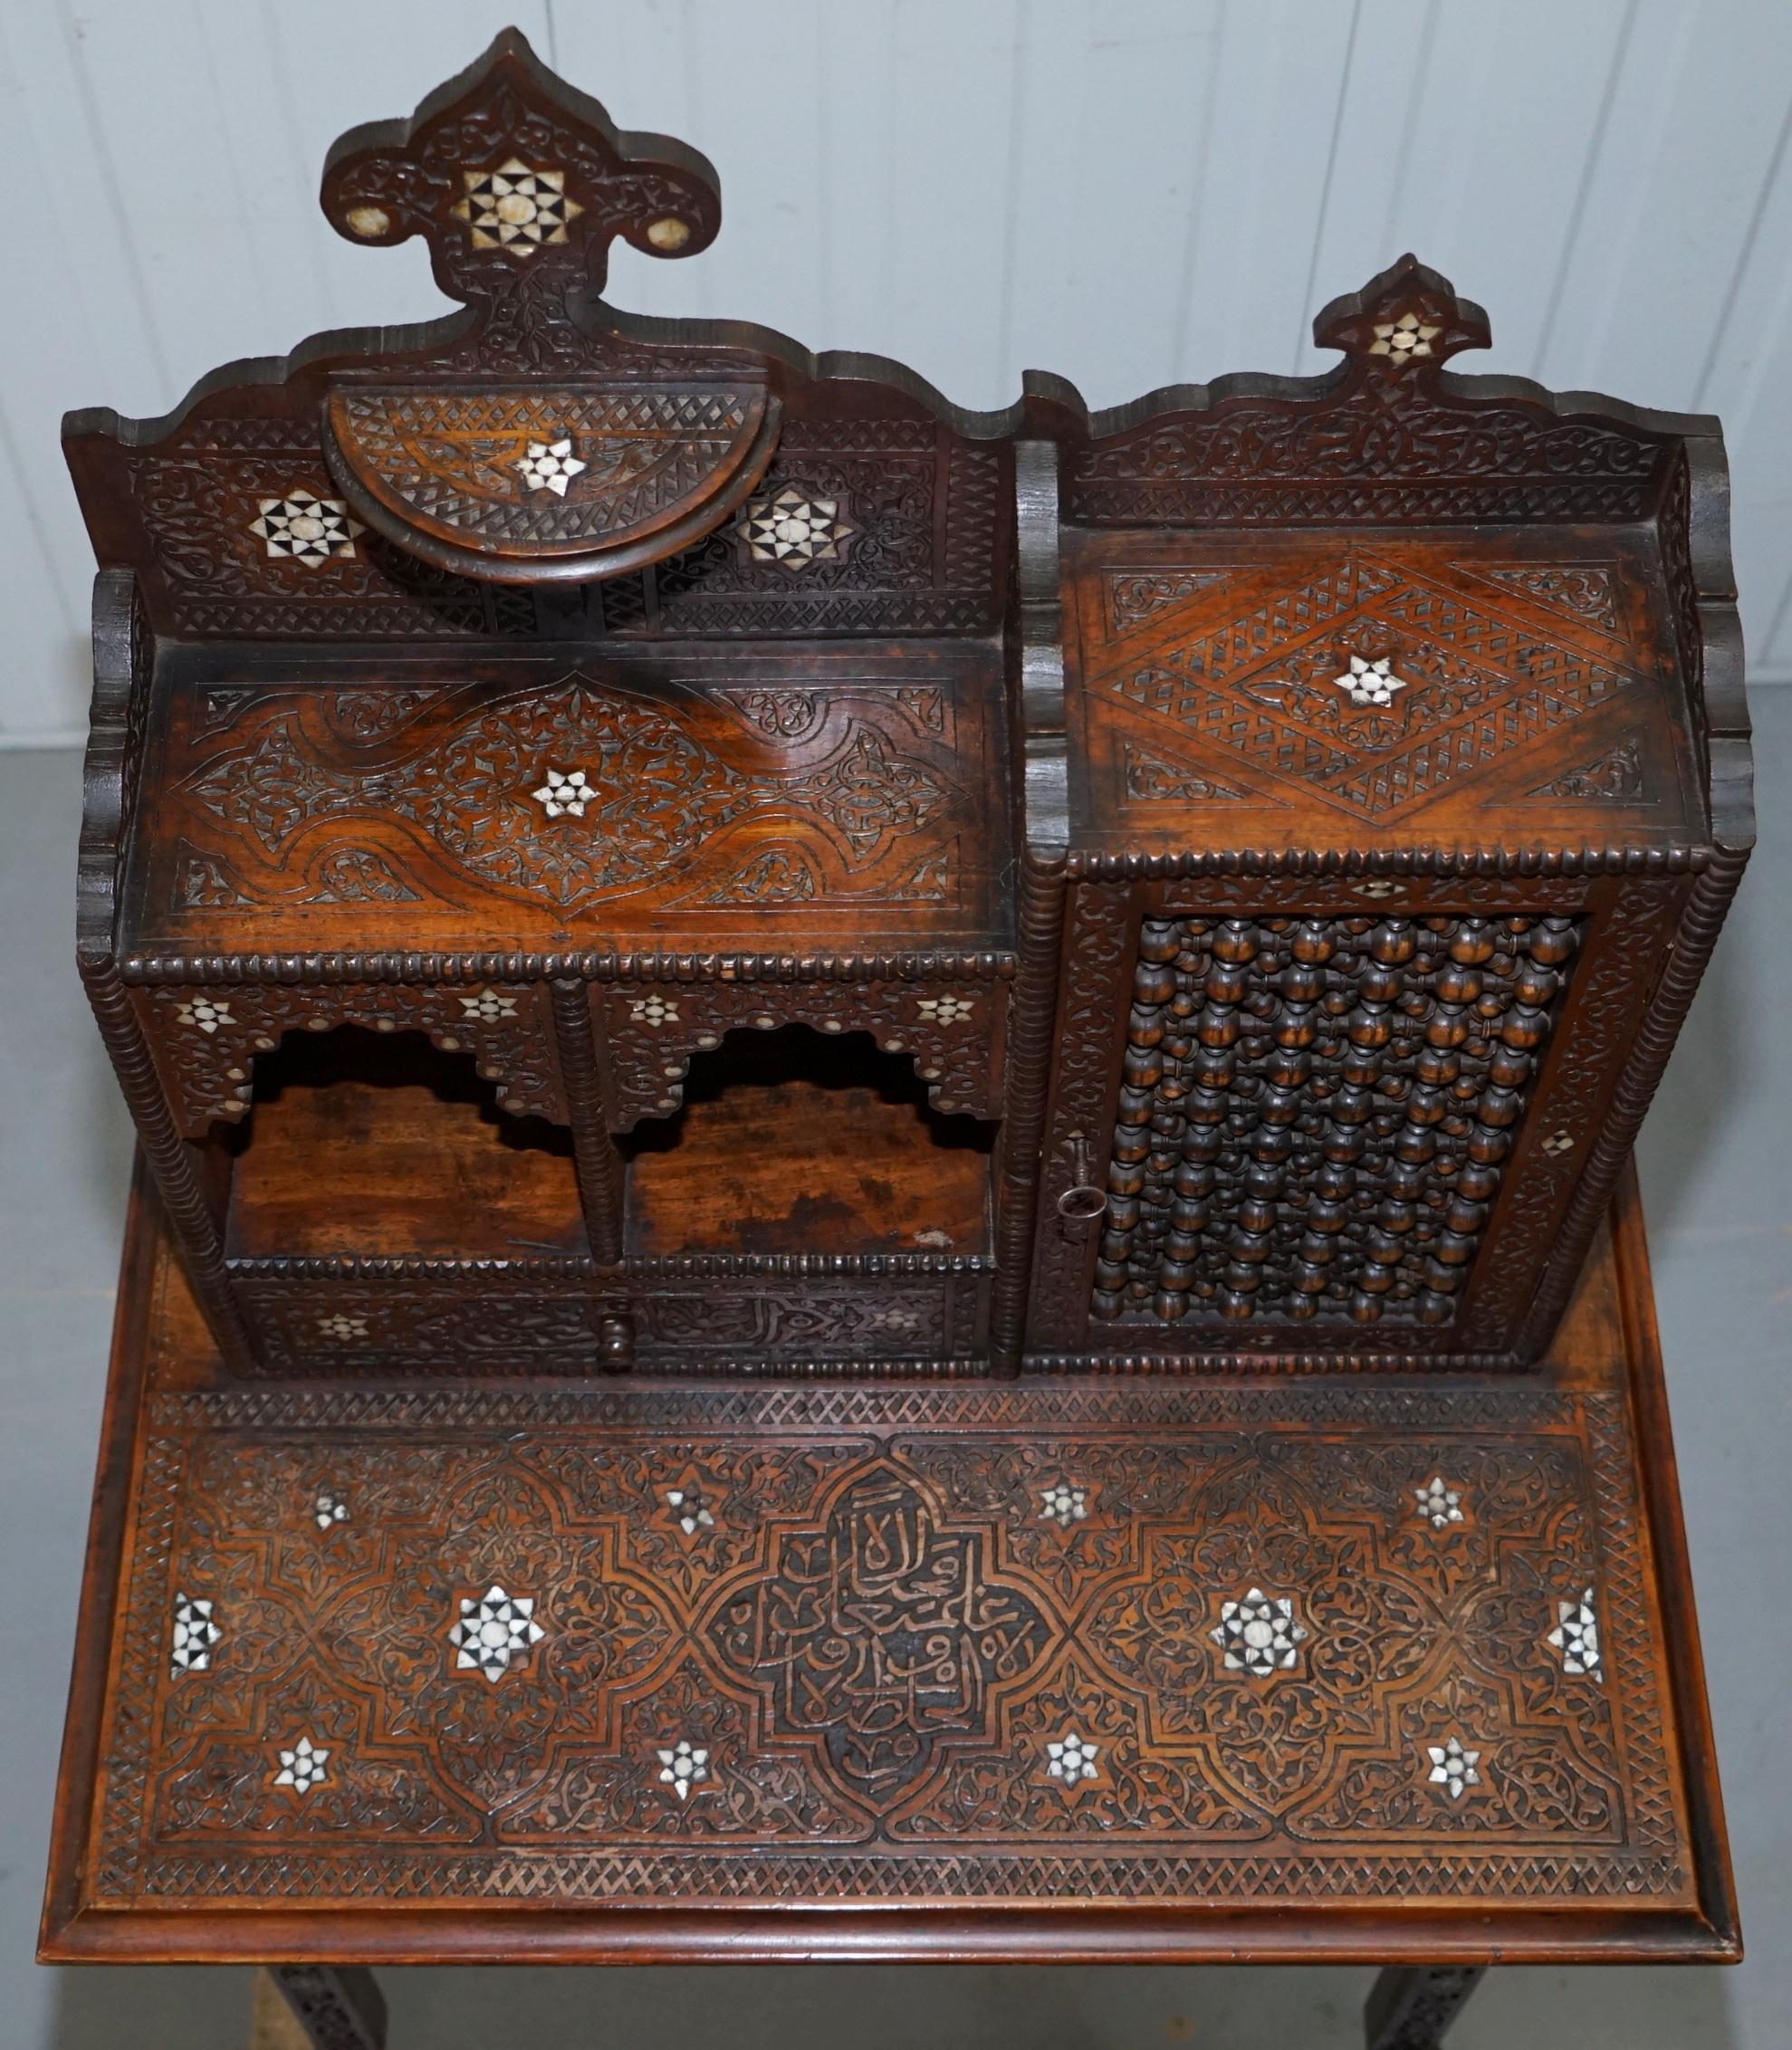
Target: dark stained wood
(659, 670)
(338, 2008)
(1414, 2009)
(1067, 996)
(529, 1821)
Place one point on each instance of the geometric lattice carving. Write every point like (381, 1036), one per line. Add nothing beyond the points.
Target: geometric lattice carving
(464, 467)
(874, 1673)
(1437, 686)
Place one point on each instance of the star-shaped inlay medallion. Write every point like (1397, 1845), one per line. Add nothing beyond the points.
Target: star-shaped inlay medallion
(515, 208)
(550, 466)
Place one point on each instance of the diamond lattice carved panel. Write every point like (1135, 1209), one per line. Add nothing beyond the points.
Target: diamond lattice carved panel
(532, 484)
(1364, 684)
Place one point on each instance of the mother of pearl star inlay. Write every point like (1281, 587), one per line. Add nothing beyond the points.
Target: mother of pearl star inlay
(494, 1630)
(1258, 1633)
(515, 208)
(548, 466)
(1370, 683)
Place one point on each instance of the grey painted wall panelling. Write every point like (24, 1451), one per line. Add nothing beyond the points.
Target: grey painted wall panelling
(1128, 195)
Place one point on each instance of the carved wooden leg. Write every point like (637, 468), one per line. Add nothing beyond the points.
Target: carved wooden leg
(1412, 2009)
(338, 2007)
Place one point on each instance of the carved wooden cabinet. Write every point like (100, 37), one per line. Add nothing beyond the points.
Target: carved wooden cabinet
(1408, 789)
(539, 713)
(570, 698)
(616, 848)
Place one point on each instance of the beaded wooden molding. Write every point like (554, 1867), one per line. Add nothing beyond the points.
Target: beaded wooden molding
(1220, 876)
(1329, 1668)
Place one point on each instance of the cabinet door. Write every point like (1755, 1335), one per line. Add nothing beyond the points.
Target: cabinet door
(1326, 1124)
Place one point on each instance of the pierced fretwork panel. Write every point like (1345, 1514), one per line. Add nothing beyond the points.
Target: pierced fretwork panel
(1315, 1112)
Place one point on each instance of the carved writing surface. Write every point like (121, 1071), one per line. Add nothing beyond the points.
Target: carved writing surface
(977, 1647)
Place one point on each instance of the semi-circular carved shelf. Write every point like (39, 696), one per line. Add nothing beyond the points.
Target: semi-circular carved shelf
(528, 485)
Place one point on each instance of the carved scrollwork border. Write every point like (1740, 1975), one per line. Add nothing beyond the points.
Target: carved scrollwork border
(652, 1032)
(207, 1039)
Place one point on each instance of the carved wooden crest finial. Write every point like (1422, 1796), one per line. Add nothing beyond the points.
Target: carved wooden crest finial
(1407, 320)
(518, 180)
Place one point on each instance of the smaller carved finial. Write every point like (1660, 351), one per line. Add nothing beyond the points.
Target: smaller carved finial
(1404, 321)
(510, 174)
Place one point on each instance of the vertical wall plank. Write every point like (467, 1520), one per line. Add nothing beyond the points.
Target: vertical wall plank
(1129, 195)
(1275, 105)
(1097, 246)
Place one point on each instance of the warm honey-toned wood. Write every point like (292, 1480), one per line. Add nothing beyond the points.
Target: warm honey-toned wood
(885, 1149)
(941, 1809)
(790, 1144)
(1202, 683)
(392, 1166)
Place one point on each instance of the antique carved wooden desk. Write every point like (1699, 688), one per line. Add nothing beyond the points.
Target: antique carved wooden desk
(877, 1144)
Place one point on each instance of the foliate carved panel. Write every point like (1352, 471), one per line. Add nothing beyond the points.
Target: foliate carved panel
(207, 1040)
(912, 544)
(1359, 679)
(954, 1031)
(343, 1327)
(1614, 775)
(1388, 449)
(1315, 1113)
(571, 795)
(840, 1659)
(199, 500)
(1590, 592)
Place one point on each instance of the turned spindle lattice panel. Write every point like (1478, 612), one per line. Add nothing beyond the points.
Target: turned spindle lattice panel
(1314, 1112)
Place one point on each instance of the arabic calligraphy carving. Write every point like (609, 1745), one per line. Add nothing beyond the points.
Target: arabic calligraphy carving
(882, 1633)
(875, 1642)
